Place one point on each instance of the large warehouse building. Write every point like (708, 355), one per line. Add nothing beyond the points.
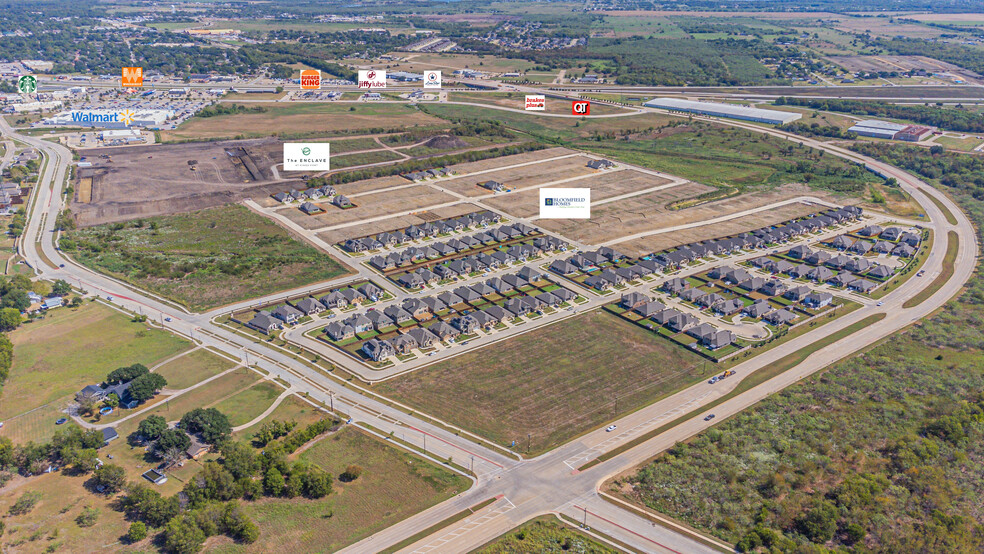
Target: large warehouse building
(890, 131)
(758, 115)
(108, 119)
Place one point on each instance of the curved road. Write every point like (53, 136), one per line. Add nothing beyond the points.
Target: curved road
(549, 483)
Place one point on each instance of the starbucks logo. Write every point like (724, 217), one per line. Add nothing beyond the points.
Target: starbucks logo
(306, 151)
(27, 84)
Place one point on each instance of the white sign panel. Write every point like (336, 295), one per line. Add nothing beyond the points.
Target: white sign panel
(565, 203)
(372, 78)
(536, 102)
(306, 156)
(432, 79)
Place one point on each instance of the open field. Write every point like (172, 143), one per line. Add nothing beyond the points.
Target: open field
(203, 259)
(73, 347)
(370, 205)
(537, 382)
(517, 101)
(369, 185)
(393, 486)
(612, 219)
(154, 180)
(300, 119)
(193, 368)
(544, 534)
(245, 405)
(398, 222)
(291, 409)
(964, 144)
(425, 61)
(51, 526)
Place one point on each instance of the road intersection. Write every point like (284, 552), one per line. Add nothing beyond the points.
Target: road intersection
(549, 483)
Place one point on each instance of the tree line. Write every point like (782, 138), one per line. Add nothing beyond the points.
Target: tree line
(955, 119)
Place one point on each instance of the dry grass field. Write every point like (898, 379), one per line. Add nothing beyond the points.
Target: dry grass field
(369, 185)
(555, 382)
(516, 101)
(193, 368)
(301, 118)
(493, 163)
(534, 174)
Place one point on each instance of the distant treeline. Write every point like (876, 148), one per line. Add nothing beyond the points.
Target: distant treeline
(949, 119)
(229, 109)
(817, 130)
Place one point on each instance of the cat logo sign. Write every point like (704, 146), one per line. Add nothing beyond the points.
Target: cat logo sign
(132, 76)
(310, 79)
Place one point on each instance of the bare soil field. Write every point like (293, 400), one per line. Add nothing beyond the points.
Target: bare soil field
(893, 63)
(165, 179)
(369, 206)
(627, 216)
(655, 243)
(521, 177)
(398, 222)
(493, 163)
(368, 185)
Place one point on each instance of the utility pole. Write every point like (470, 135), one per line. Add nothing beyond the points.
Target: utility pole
(585, 522)
(529, 441)
(331, 399)
(473, 463)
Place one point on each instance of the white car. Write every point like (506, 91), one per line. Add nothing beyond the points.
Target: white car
(610, 428)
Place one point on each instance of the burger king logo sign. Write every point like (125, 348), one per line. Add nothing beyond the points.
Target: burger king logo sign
(310, 79)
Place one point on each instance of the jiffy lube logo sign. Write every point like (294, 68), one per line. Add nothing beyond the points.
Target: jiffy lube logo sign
(372, 78)
(306, 156)
(565, 203)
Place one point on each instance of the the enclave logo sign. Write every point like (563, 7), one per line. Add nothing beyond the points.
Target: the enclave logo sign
(581, 107)
(306, 156)
(372, 78)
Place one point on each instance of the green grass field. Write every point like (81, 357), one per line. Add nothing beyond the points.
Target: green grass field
(73, 347)
(538, 382)
(203, 259)
(193, 368)
(245, 405)
(393, 486)
(363, 158)
(291, 409)
(956, 143)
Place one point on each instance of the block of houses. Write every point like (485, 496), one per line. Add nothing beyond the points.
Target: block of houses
(288, 314)
(378, 350)
(309, 306)
(817, 300)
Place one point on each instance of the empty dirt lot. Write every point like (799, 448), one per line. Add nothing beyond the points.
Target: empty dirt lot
(395, 223)
(369, 206)
(492, 163)
(625, 217)
(163, 179)
(521, 177)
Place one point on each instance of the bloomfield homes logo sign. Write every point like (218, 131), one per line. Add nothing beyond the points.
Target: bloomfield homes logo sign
(310, 79)
(565, 203)
(306, 156)
(372, 78)
(536, 102)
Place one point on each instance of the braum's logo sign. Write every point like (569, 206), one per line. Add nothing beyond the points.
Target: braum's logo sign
(372, 78)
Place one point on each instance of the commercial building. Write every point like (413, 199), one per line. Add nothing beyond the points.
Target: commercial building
(108, 119)
(890, 131)
(758, 115)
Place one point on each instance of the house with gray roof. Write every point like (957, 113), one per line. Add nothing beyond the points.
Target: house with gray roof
(379, 319)
(340, 331)
(681, 322)
(797, 294)
(758, 309)
(378, 350)
(444, 331)
(288, 314)
(498, 313)
(397, 314)
(410, 281)
(780, 317)
(309, 306)
(861, 247)
(817, 300)
(862, 285)
(359, 322)
(773, 287)
(904, 251)
(422, 337)
(631, 300)
(265, 323)
(880, 272)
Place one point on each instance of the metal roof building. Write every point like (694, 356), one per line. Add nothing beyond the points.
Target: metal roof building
(876, 129)
(759, 115)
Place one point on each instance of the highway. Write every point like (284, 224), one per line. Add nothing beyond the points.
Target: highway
(550, 483)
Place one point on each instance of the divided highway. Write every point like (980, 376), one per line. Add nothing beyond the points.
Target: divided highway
(549, 483)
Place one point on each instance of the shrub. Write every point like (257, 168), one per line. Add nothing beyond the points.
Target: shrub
(88, 517)
(137, 532)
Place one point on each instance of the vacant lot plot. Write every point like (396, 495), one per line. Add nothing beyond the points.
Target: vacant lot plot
(246, 405)
(626, 216)
(291, 409)
(504, 161)
(393, 486)
(369, 185)
(299, 119)
(655, 243)
(70, 348)
(517, 101)
(533, 174)
(163, 179)
(370, 205)
(203, 259)
(554, 382)
(399, 222)
(193, 368)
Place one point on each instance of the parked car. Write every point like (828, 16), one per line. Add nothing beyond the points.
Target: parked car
(61, 421)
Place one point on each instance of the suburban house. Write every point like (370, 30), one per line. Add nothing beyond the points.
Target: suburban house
(309, 306)
(817, 300)
(871, 231)
(904, 251)
(861, 247)
(797, 294)
(334, 300)
(397, 314)
(862, 285)
(310, 208)
(377, 349)
(341, 201)
(891, 234)
(649, 309)
(563, 267)
(121, 390)
(729, 307)
(681, 322)
(379, 319)
(842, 242)
(757, 309)
(780, 317)
(359, 323)
(494, 186)
(339, 331)
(497, 313)
(632, 300)
(283, 197)
(773, 287)
(265, 323)
(403, 344)
(444, 331)
(422, 337)
(880, 272)
(676, 285)
(466, 324)
(601, 164)
(710, 337)
(288, 314)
